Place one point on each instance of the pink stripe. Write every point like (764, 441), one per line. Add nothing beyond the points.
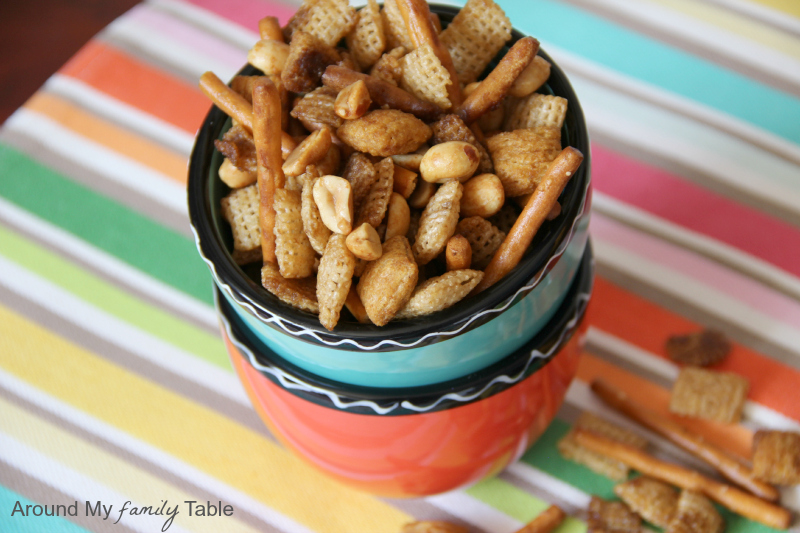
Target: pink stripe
(693, 207)
(709, 273)
(247, 13)
(198, 40)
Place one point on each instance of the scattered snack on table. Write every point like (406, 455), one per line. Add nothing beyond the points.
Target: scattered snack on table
(545, 522)
(433, 526)
(600, 464)
(776, 456)
(702, 348)
(695, 514)
(377, 147)
(709, 394)
(611, 517)
(653, 500)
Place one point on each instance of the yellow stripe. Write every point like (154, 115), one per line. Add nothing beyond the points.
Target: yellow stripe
(199, 436)
(735, 23)
(90, 460)
(112, 137)
(791, 7)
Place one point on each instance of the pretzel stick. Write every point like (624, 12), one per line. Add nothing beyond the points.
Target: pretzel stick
(546, 194)
(421, 29)
(381, 92)
(546, 522)
(270, 28)
(693, 443)
(491, 90)
(734, 499)
(266, 135)
(225, 98)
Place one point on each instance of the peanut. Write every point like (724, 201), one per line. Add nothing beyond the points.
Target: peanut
(423, 192)
(398, 217)
(449, 160)
(483, 196)
(269, 56)
(352, 101)
(233, 177)
(458, 253)
(409, 161)
(308, 152)
(334, 200)
(364, 242)
(533, 77)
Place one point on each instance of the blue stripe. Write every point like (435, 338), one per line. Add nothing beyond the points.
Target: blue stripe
(32, 524)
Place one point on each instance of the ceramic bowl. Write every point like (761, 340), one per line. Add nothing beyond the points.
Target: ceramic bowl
(418, 441)
(469, 336)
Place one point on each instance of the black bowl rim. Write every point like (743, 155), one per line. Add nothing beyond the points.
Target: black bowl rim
(400, 334)
(491, 380)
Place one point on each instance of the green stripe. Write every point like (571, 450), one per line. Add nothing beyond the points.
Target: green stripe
(544, 456)
(113, 300)
(114, 228)
(638, 56)
(518, 504)
(33, 524)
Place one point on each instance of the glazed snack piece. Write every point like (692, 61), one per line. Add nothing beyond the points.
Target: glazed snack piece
(708, 394)
(438, 222)
(702, 348)
(385, 132)
(333, 280)
(521, 157)
(373, 207)
(387, 283)
(452, 128)
(611, 517)
(293, 251)
(441, 292)
(433, 526)
(367, 40)
(299, 293)
(776, 457)
(695, 514)
(327, 20)
(424, 76)
(545, 522)
(653, 500)
(240, 209)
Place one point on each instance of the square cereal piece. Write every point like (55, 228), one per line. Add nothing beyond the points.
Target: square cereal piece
(367, 40)
(651, 499)
(240, 208)
(537, 110)
(611, 517)
(596, 462)
(394, 27)
(293, 250)
(695, 514)
(709, 394)
(425, 77)
(300, 293)
(521, 157)
(327, 20)
(700, 348)
(776, 457)
(389, 67)
(316, 109)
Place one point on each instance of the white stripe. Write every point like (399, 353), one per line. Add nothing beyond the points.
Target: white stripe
(118, 168)
(79, 486)
(777, 18)
(149, 453)
(119, 333)
(755, 415)
(208, 21)
(727, 255)
(578, 66)
(474, 511)
(707, 36)
(117, 111)
(697, 294)
(551, 485)
(123, 273)
(179, 56)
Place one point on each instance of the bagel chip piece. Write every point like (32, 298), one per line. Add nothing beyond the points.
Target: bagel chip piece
(521, 157)
(385, 132)
(441, 292)
(387, 283)
(438, 221)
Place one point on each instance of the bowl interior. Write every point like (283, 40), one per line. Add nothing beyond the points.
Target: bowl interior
(215, 241)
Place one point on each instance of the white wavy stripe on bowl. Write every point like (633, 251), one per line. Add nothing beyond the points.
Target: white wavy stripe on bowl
(299, 331)
(291, 382)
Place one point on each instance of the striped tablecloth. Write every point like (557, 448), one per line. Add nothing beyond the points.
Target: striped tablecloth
(115, 385)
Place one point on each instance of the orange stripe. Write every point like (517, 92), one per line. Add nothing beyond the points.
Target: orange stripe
(645, 324)
(138, 84)
(731, 437)
(112, 137)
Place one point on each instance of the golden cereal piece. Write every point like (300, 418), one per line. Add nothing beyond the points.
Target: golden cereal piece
(292, 247)
(299, 293)
(701, 348)
(433, 526)
(475, 36)
(316, 231)
(776, 457)
(389, 67)
(452, 128)
(329, 165)
(425, 77)
(235, 178)
(695, 514)
(373, 207)
(611, 517)
(240, 209)
(534, 76)
(653, 500)
(237, 145)
(327, 20)
(483, 237)
(521, 157)
(601, 426)
(394, 26)
(360, 172)
(308, 57)
(438, 222)
(387, 283)
(703, 393)
(367, 40)
(385, 132)
(334, 277)
(537, 110)
(440, 292)
(316, 110)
